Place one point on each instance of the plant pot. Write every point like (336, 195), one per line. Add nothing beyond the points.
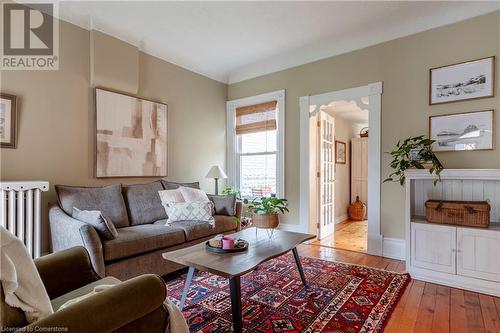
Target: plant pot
(266, 221)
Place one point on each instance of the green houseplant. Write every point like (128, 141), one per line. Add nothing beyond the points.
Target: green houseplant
(414, 152)
(265, 211)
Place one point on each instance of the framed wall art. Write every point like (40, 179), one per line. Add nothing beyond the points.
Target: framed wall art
(8, 120)
(340, 152)
(131, 136)
(462, 81)
(462, 131)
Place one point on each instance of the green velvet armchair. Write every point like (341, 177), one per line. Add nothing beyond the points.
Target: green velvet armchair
(135, 305)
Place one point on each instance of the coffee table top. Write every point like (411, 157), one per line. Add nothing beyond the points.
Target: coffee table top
(230, 265)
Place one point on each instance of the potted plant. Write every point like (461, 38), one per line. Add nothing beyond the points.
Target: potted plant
(414, 152)
(265, 211)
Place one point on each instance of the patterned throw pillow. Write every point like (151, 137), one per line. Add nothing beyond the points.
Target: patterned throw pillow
(103, 225)
(190, 211)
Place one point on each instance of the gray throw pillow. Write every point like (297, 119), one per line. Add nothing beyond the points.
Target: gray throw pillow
(168, 185)
(224, 204)
(103, 225)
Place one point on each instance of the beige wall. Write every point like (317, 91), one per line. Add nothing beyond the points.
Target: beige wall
(403, 66)
(56, 113)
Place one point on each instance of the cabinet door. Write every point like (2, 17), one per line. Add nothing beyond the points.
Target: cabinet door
(478, 253)
(433, 247)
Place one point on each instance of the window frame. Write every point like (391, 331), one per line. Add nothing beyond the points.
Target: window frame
(232, 155)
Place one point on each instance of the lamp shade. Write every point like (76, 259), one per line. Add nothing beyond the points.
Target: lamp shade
(216, 172)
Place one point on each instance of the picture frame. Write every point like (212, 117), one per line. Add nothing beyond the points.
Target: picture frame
(462, 81)
(8, 121)
(340, 152)
(466, 131)
(131, 136)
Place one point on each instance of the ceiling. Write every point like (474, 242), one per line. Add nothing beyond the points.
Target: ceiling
(235, 41)
(349, 111)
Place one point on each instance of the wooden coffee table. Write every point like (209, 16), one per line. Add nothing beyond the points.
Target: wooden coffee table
(234, 265)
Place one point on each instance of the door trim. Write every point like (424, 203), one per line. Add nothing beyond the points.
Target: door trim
(311, 104)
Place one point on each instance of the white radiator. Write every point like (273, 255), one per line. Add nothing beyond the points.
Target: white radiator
(20, 211)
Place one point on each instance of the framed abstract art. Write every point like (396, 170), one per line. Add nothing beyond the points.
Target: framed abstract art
(131, 136)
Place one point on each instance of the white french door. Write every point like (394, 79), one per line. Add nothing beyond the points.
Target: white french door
(326, 164)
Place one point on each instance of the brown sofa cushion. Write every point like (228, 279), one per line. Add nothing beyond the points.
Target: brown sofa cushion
(143, 203)
(139, 239)
(198, 229)
(168, 185)
(107, 199)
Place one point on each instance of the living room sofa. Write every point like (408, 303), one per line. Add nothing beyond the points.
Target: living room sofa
(139, 217)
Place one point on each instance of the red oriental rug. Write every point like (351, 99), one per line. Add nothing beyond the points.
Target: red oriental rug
(339, 298)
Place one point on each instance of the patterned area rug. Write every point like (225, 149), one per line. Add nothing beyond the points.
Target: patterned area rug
(339, 298)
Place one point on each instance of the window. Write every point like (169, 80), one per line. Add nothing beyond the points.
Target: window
(255, 145)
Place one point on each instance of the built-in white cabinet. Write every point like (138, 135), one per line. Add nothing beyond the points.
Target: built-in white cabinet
(478, 253)
(359, 169)
(461, 257)
(434, 247)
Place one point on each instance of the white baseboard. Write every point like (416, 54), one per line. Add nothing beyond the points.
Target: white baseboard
(394, 248)
(341, 218)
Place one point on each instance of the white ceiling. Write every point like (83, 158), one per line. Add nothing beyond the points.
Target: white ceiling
(235, 41)
(349, 111)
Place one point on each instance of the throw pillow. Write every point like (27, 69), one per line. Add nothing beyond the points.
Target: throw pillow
(190, 211)
(224, 204)
(168, 196)
(103, 225)
(175, 185)
(193, 194)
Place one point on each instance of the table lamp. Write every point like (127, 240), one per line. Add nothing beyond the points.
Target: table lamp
(216, 173)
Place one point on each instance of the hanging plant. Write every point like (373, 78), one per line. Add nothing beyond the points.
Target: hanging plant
(414, 152)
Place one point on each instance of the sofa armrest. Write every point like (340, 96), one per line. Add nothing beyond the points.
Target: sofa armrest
(67, 232)
(66, 270)
(110, 309)
(237, 215)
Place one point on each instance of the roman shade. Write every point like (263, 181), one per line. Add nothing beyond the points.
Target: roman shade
(256, 118)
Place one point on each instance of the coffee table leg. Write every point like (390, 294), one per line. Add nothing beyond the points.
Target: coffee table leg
(235, 288)
(299, 265)
(186, 287)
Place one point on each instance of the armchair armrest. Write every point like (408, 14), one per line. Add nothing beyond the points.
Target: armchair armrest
(67, 232)
(110, 309)
(66, 270)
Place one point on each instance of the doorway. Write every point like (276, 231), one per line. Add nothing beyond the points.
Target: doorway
(322, 213)
(341, 155)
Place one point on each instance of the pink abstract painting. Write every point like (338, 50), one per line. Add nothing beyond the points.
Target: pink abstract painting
(131, 136)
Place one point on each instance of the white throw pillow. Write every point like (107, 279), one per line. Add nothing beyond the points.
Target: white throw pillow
(193, 194)
(167, 196)
(190, 211)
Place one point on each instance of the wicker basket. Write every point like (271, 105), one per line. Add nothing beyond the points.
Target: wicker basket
(357, 210)
(463, 213)
(265, 221)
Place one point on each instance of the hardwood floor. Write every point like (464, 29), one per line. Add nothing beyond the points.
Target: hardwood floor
(348, 235)
(424, 307)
